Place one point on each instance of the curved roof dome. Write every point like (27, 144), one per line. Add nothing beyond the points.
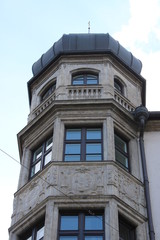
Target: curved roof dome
(87, 43)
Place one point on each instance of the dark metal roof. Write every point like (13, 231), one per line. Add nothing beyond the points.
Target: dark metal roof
(86, 43)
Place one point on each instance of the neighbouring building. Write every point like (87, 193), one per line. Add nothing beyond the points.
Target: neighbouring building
(83, 163)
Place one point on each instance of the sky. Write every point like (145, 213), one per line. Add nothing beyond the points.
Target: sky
(28, 28)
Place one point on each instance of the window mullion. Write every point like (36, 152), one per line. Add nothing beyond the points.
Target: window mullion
(83, 145)
(43, 155)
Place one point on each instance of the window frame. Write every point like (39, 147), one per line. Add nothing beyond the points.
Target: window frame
(85, 74)
(118, 83)
(81, 232)
(41, 159)
(127, 227)
(119, 150)
(32, 232)
(83, 143)
(48, 91)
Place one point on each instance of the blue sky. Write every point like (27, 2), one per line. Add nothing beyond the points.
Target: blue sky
(29, 28)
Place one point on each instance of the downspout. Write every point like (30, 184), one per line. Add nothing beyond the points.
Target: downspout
(141, 115)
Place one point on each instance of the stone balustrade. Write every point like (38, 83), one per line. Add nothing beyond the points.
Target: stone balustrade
(123, 101)
(83, 92)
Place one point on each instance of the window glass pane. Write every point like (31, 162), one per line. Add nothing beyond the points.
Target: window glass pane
(35, 168)
(40, 234)
(121, 144)
(49, 91)
(121, 159)
(73, 134)
(118, 86)
(93, 223)
(30, 238)
(68, 238)
(37, 154)
(72, 148)
(71, 158)
(94, 157)
(47, 158)
(91, 79)
(49, 144)
(93, 238)
(93, 148)
(69, 223)
(93, 134)
(78, 80)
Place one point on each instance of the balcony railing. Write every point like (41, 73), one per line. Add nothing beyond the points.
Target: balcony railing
(83, 92)
(123, 101)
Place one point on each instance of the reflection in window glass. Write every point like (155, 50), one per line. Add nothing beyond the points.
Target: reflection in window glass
(49, 143)
(93, 223)
(93, 148)
(121, 159)
(40, 234)
(69, 223)
(41, 156)
(37, 154)
(121, 151)
(49, 91)
(73, 148)
(73, 134)
(81, 226)
(93, 238)
(83, 144)
(85, 79)
(93, 134)
(68, 238)
(47, 158)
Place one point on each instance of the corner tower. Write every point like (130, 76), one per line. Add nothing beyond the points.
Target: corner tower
(81, 174)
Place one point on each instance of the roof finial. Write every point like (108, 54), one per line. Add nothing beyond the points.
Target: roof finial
(89, 27)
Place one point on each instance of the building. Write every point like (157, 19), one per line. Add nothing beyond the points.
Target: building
(82, 173)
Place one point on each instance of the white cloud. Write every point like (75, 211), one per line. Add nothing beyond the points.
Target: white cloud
(138, 36)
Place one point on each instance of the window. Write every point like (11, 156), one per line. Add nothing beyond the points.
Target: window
(85, 79)
(83, 144)
(36, 233)
(41, 156)
(81, 226)
(49, 91)
(126, 230)
(118, 85)
(121, 151)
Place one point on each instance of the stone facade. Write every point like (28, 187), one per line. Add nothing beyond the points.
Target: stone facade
(81, 185)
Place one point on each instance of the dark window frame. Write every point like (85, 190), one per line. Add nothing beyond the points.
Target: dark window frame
(40, 159)
(118, 85)
(83, 142)
(127, 228)
(85, 78)
(32, 232)
(119, 150)
(48, 91)
(81, 232)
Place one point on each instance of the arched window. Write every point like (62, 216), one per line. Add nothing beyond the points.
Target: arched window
(118, 86)
(48, 91)
(85, 79)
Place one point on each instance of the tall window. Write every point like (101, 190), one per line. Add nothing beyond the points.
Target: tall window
(85, 79)
(41, 156)
(121, 151)
(126, 230)
(81, 226)
(36, 233)
(49, 91)
(118, 85)
(83, 144)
